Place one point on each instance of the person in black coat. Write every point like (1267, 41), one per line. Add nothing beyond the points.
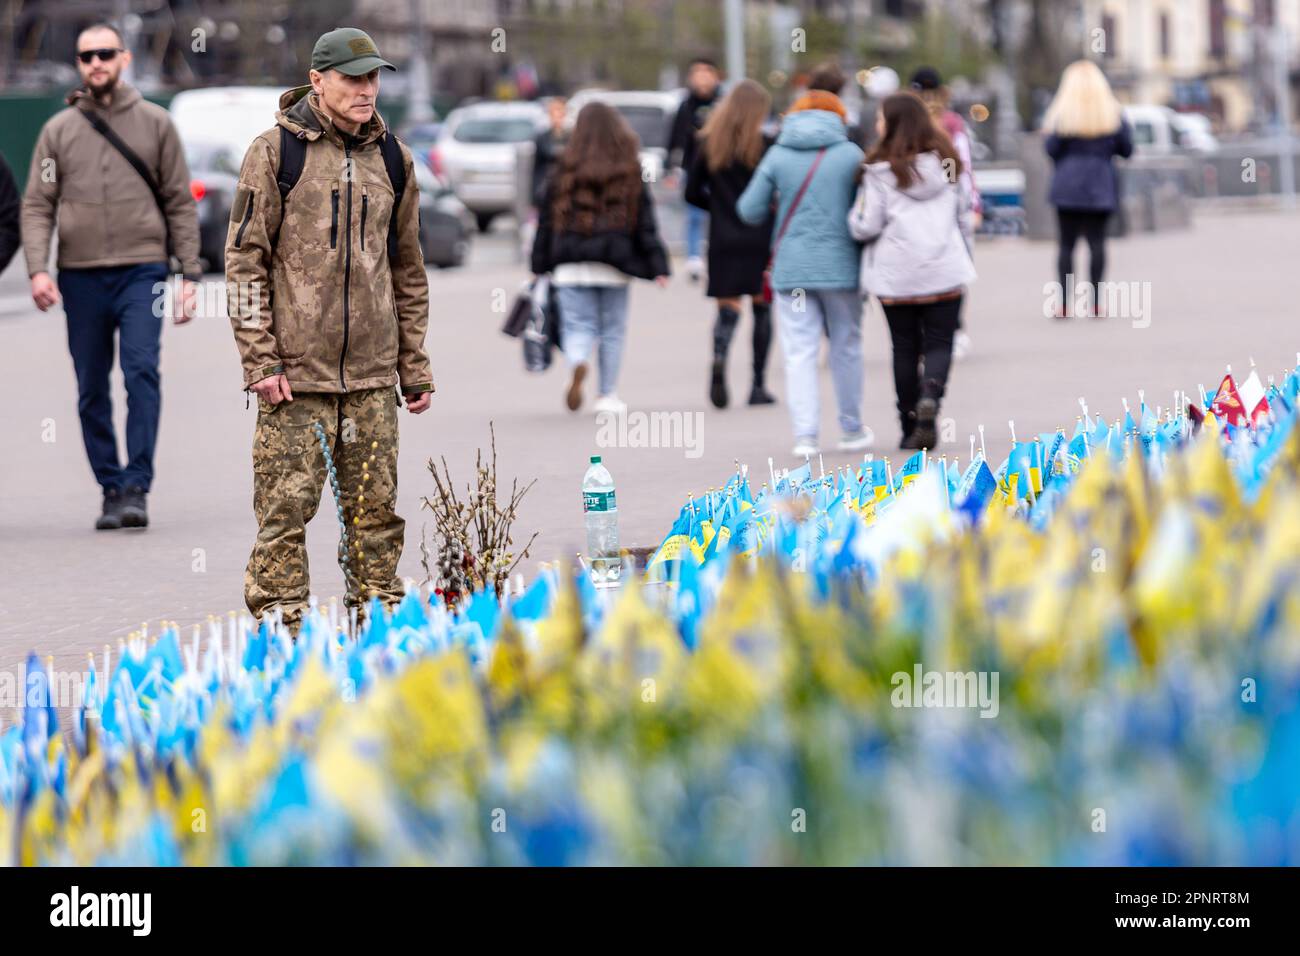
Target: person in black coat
(732, 143)
(10, 205)
(1085, 130)
(595, 231)
(703, 81)
(548, 146)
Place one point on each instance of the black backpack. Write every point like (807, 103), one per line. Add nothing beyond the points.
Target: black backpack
(293, 156)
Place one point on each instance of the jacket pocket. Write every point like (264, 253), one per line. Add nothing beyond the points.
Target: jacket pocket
(241, 211)
(334, 218)
(365, 205)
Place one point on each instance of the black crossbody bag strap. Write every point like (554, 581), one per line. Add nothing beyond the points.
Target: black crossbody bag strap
(137, 164)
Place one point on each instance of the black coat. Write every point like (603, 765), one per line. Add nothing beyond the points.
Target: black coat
(638, 252)
(10, 238)
(738, 252)
(546, 155)
(1085, 178)
(682, 140)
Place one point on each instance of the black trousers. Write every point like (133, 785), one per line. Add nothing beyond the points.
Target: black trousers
(922, 335)
(1091, 225)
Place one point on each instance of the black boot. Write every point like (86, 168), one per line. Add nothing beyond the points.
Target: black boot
(927, 411)
(134, 513)
(110, 518)
(723, 329)
(759, 395)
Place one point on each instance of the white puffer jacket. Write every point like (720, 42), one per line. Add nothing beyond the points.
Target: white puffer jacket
(918, 238)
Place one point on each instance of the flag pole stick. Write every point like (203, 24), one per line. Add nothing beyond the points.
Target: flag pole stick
(972, 448)
(947, 492)
(983, 453)
(771, 472)
(889, 475)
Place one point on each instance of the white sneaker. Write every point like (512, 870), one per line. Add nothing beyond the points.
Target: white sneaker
(695, 268)
(961, 344)
(861, 441)
(805, 447)
(610, 404)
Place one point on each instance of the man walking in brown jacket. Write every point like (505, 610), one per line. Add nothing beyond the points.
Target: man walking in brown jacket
(115, 228)
(329, 301)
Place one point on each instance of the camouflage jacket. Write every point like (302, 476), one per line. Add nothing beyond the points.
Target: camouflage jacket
(310, 290)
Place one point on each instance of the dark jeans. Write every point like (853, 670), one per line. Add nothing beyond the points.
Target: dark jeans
(922, 336)
(99, 303)
(1091, 225)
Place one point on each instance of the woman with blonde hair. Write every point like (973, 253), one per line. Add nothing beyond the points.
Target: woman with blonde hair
(1085, 130)
(731, 144)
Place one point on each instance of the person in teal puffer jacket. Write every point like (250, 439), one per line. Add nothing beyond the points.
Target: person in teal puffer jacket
(815, 264)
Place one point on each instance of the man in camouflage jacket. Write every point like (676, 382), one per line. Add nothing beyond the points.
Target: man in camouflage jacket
(328, 328)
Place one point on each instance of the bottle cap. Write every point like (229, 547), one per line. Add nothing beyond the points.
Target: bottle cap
(595, 459)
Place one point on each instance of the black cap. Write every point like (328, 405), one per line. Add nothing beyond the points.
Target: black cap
(926, 78)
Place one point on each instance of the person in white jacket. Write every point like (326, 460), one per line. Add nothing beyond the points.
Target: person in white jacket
(913, 213)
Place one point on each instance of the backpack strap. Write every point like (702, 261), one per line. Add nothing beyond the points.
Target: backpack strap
(293, 156)
(396, 169)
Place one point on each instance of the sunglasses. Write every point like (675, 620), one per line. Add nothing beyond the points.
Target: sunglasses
(107, 55)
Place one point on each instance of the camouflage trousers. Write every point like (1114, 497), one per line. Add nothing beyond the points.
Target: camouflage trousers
(288, 474)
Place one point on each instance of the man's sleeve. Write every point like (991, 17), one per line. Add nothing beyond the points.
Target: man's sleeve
(181, 210)
(40, 204)
(9, 206)
(411, 290)
(250, 243)
(681, 130)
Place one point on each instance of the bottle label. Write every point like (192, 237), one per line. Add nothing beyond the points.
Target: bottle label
(598, 501)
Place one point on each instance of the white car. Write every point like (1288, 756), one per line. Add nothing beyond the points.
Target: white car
(229, 116)
(650, 113)
(1159, 131)
(476, 151)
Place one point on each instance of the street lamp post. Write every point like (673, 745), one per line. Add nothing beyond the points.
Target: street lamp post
(1282, 97)
(419, 107)
(735, 28)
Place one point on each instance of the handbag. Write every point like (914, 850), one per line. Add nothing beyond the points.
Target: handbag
(803, 188)
(522, 309)
(541, 332)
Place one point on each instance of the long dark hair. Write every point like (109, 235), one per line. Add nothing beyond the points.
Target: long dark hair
(733, 133)
(598, 177)
(909, 131)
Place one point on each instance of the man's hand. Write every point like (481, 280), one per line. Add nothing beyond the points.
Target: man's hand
(44, 292)
(661, 281)
(273, 388)
(418, 402)
(189, 297)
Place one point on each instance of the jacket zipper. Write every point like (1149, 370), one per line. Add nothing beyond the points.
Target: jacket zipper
(365, 201)
(347, 265)
(248, 215)
(334, 218)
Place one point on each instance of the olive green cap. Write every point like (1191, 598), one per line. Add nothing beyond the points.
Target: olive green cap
(349, 51)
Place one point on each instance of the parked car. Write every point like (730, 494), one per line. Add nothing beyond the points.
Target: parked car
(216, 126)
(650, 113)
(1159, 131)
(446, 226)
(420, 138)
(214, 172)
(476, 153)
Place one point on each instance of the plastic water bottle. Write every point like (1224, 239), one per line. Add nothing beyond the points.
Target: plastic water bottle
(600, 511)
